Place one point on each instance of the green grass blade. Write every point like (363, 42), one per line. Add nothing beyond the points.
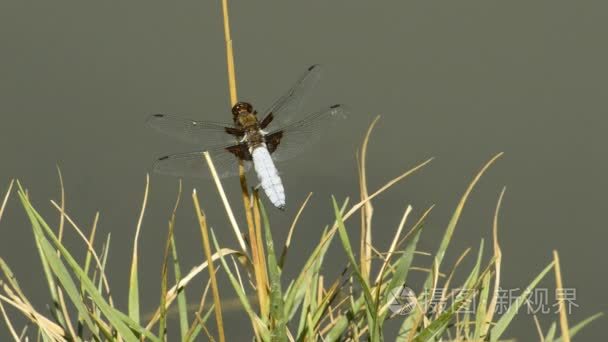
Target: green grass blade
(277, 312)
(182, 303)
(255, 320)
(295, 293)
(62, 274)
(105, 248)
(551, 333)
(344, 320)
(480, 315)
(438, 326)
(198, 325)
(134, 325)
(474, 275)
(89, 255)
(134, 291)
(504, 321)
(575, 329)
(370, 304)
(162, 325)
(133, 277)
(54, 268)
(447, 237)
(402, 269)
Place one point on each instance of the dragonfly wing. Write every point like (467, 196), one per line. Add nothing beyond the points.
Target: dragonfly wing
(193, 164)
(293, 139)
(288, 105)
(203, 133)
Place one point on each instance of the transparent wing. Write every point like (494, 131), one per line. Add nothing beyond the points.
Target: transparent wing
(203, 133)
(298, 136)
(288, 105)
(193, 164)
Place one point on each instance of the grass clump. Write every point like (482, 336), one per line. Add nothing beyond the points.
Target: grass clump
(353, 305)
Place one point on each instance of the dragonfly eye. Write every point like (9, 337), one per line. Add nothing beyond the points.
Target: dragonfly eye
(241, 108)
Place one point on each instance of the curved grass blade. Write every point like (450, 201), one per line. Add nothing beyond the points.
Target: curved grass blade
(62, 274)
(575, 329)
(551, 333)
(258, 324)
(401, 271)
(133, 278)
(505, 320)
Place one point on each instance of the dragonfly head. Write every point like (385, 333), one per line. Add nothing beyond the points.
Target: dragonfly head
(241, 108)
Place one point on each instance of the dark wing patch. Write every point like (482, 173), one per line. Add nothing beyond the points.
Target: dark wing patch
(273, 140)
(267, 120)
(237, 132)
(240, 151)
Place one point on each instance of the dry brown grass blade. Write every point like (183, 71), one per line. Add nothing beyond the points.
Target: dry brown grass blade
(91, 239)
(66, 315)
(395, 180)
(446, 286)
(90, 248)
(172, 293)
(291, 230)
(262, 284)
(9, 324)
(459, 208)
(61, 218)
(199, 311)
(247, 205)
(563, 318)
(227, 207)
(50, 327)
(416, 225)
(497, 260)
(256, 260)
(328, 236)
(391, 249)
(211, 267)
(133, 276)
(238, 275)
(367, 210)
(8, 193)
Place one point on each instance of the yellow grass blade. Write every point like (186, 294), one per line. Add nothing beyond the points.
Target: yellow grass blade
(563, 318)
(229, 54)
(498, 260)
(9, 324)
(211, 267)
(61, 218)
(367, 210)
(220, 189)
(133, 278)
(291, 230)
(8, 193)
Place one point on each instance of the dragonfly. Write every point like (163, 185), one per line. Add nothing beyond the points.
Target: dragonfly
(261, 142)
